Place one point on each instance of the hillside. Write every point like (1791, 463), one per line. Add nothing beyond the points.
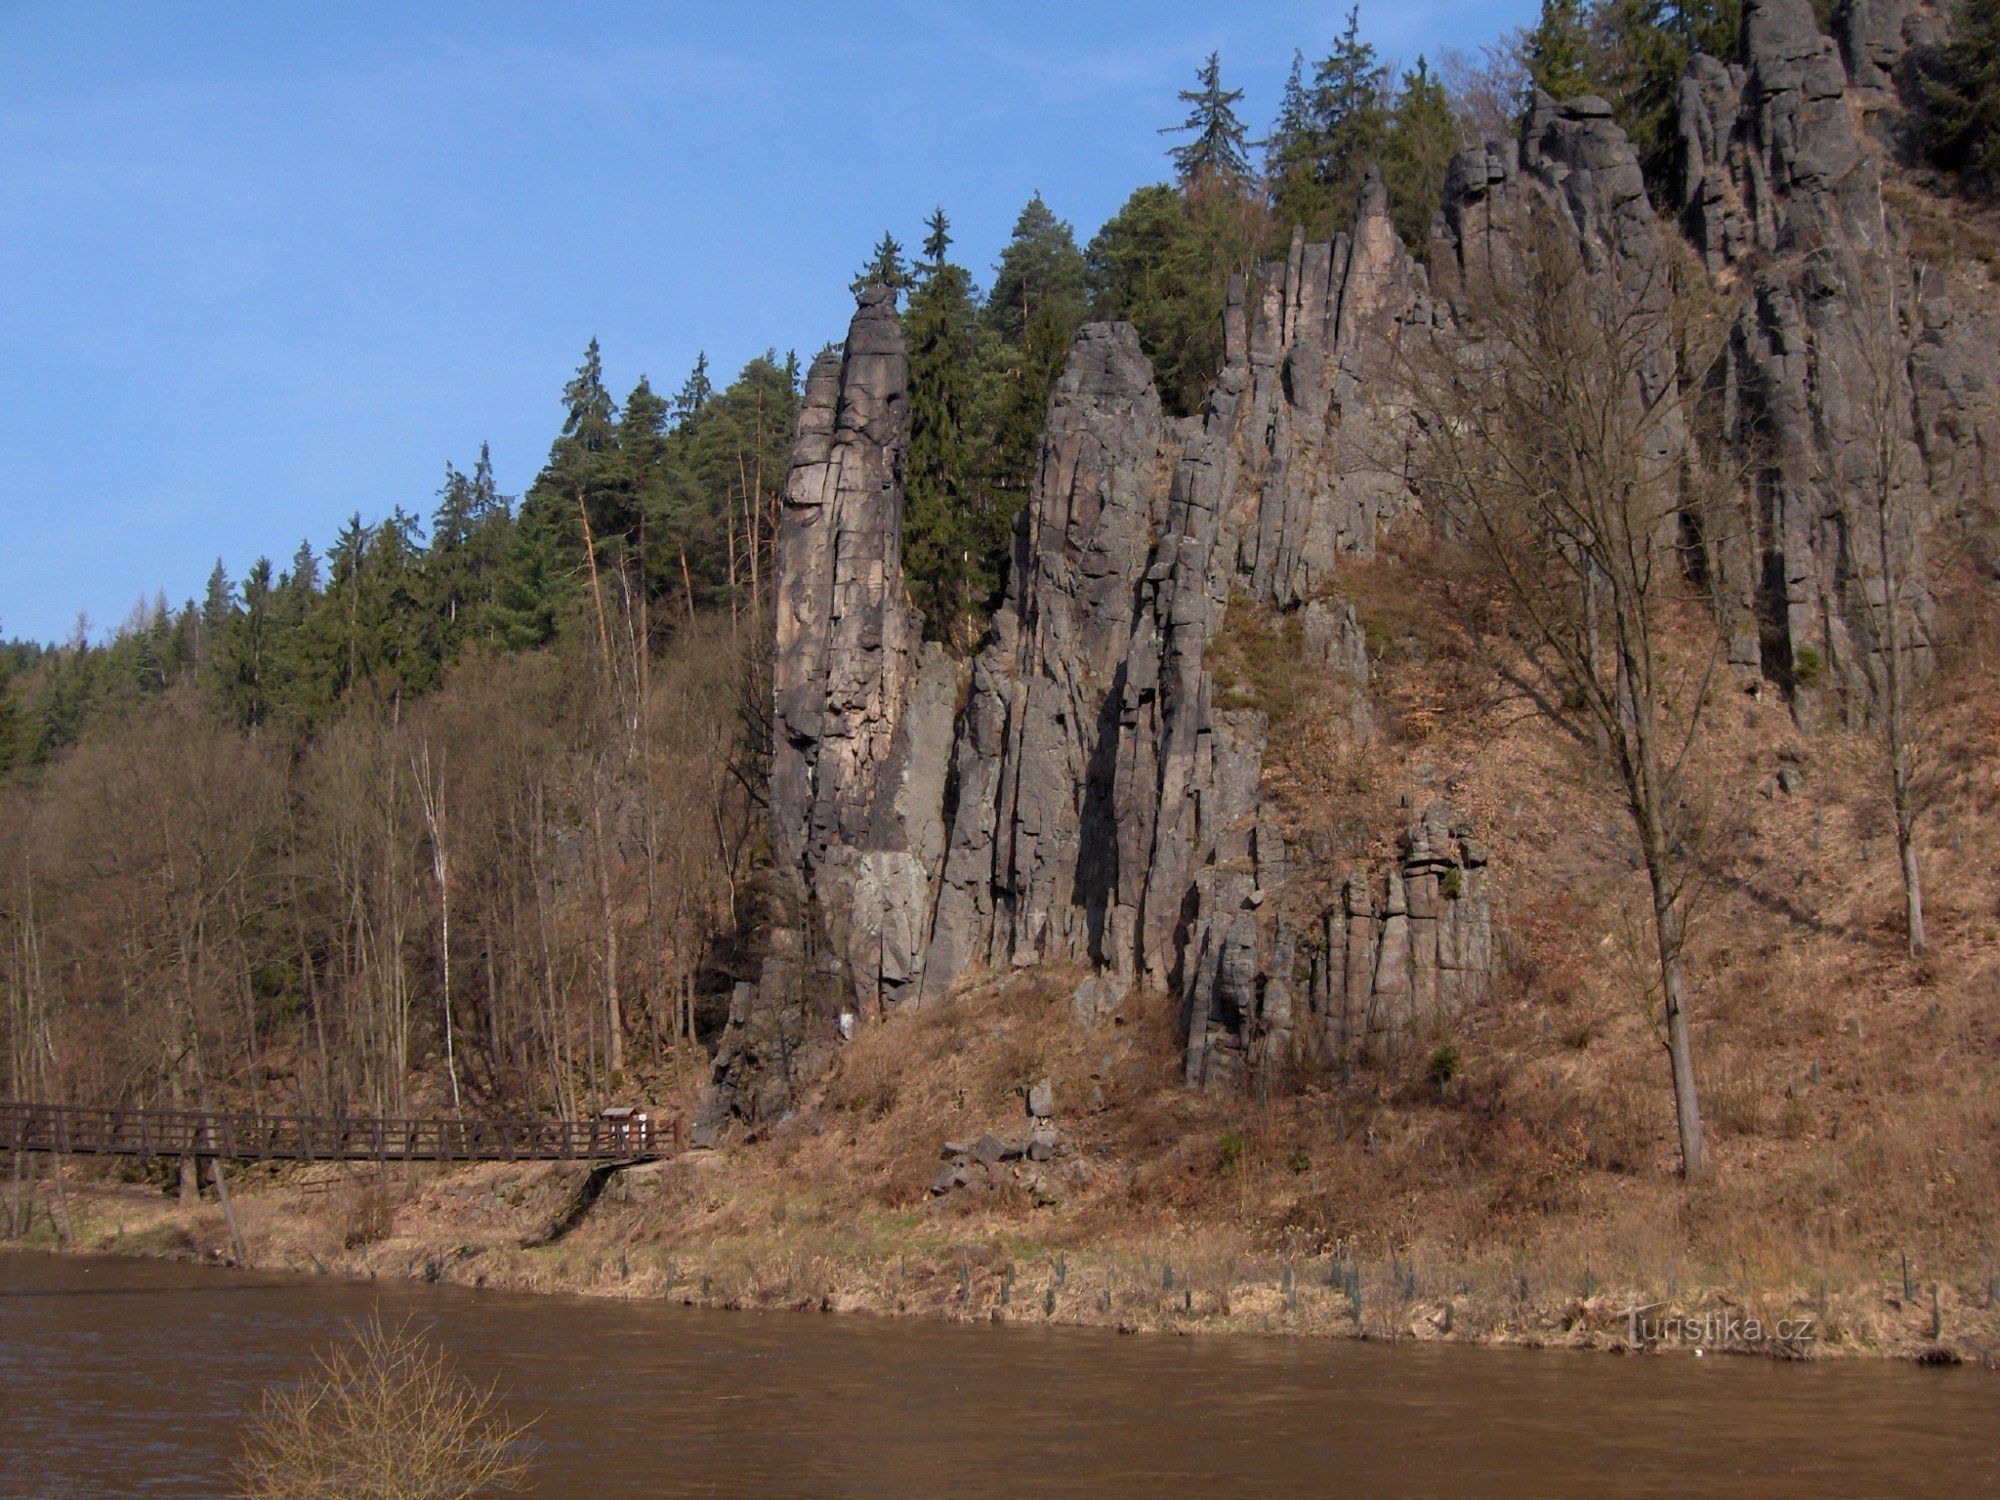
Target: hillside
(1476, 822)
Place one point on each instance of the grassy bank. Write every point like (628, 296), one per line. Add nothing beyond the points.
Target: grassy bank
(1384, 1213)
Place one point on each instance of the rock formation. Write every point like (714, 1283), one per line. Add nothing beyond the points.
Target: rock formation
(1101, 803)
(861, 730)
(1848, 371)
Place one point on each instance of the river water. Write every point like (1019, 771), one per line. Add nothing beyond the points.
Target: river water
(132, 1377)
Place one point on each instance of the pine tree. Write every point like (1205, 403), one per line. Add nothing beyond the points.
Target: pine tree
(1559, 54)
(1147, 268)
(1421, 141)
(1040, 268)
(1640, 50)
(1218, 147)
(649, 526)
(885, 268)
(1961, 125)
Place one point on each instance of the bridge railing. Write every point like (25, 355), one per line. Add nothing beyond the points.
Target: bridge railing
(85, 1130)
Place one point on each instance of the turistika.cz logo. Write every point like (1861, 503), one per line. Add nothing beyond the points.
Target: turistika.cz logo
(1651, 1324)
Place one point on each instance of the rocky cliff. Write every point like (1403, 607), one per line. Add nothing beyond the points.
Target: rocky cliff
(1095, 801)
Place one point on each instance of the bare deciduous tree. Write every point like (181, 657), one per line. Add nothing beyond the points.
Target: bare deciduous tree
(1555, 443)
(1893, 507)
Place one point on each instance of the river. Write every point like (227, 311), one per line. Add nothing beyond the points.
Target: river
(132, 1378)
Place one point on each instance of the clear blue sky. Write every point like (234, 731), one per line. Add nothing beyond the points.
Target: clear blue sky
(265, 265)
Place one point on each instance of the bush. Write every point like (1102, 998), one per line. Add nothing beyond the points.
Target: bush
(370, 1216)
(1444, 1066)
(385, 1416)
(1230, 1154)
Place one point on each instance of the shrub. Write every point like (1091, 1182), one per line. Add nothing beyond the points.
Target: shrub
(385, 1416)
(1444, 1066)
(370, 1216)
(1230, 1154)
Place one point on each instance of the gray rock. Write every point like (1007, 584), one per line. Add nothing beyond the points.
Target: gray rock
(1042, 1145)
(989, 1150)
(1042, 1099)
(1790, 782)
(1783, 188)
(1095, 1001)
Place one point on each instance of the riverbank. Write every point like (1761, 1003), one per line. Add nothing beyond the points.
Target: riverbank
(469, 1226)
(920, 1181)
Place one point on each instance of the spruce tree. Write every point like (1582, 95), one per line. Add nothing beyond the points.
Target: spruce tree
(1292, 148)
(540, 577)
(1637, 56)
(885, 268)
(1149, 267)
(246, 651)
(1218, 147)
(694, 393)
(938, 240)
(945, 554)
(13, 722)
(1328, 135)
(1961, 124)
(1417, 149)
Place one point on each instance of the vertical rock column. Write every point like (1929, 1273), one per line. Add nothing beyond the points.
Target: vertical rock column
(861, 730)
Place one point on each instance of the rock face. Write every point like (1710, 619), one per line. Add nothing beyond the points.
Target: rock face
(1850, 384)
(861, 730)
(1095, 801)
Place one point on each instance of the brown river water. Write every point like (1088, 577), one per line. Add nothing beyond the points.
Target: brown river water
(132, 1377)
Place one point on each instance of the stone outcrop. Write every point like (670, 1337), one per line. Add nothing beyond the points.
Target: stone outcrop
(1850, 384)
(1394, 961)
(1880, 42)
(1100, 803)
(1032, 869)
(862, 716)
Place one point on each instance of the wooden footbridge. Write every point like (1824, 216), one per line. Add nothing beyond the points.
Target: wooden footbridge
(621, 1136)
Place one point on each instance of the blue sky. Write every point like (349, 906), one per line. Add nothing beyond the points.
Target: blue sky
(263, 266)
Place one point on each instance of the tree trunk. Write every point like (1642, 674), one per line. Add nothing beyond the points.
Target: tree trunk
(1913, 880)
(1641, 763)
(228, 1209)
(613, 1021)
(1680, 1049)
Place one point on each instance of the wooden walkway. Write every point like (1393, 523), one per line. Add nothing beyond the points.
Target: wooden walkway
(83, 1131)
